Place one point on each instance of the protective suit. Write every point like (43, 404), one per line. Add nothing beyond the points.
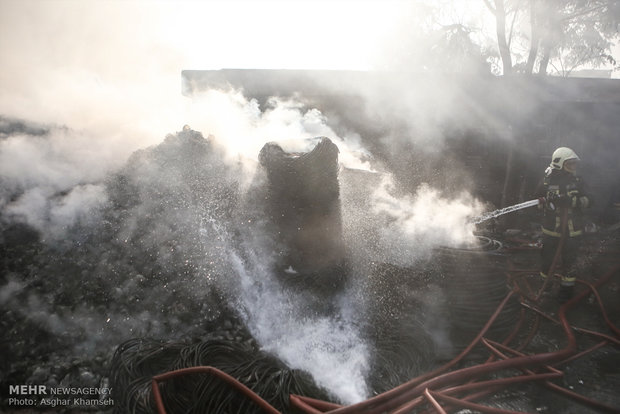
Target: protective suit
(566, 199)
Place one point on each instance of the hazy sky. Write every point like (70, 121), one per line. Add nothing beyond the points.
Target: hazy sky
(116, 38)
(99, 48)
(90, 62)
(113, 37)
(309, 34)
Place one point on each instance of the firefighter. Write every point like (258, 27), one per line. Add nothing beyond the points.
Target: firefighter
(564, 195)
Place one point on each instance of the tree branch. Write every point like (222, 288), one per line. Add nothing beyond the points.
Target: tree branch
(504, 50)
(490, 6)
(531, 58)
(512, 24)
(584, 12)
(546, 57)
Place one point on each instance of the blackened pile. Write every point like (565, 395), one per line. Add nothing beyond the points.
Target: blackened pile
(303, 202)
(138, 360)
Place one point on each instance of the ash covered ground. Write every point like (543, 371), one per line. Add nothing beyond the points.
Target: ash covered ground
(131, 262)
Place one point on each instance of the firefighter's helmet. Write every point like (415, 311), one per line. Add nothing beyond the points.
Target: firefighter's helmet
(562, 155)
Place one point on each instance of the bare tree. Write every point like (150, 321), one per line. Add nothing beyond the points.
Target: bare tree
(563, 34)
(499, 10)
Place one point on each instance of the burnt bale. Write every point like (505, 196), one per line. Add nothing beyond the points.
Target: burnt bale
(303, 203)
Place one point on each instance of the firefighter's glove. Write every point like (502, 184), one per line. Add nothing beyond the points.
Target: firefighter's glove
(550, 202)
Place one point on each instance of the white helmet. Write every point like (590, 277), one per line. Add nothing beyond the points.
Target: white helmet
(561, 155)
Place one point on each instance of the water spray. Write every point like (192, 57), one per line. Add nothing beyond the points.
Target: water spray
(506, 210)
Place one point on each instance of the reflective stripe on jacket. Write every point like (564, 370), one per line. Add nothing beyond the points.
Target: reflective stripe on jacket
(557, 184)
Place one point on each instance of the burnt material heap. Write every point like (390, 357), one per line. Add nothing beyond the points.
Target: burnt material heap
(303, 202)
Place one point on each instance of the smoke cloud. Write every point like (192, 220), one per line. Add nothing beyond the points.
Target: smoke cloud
(415, 224)
(241, 127)
(53, 216)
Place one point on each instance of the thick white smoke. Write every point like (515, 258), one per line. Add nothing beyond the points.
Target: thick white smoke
(57, 176)
(384, 223)
(414, 224)
(241, 127)
(53, 215)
